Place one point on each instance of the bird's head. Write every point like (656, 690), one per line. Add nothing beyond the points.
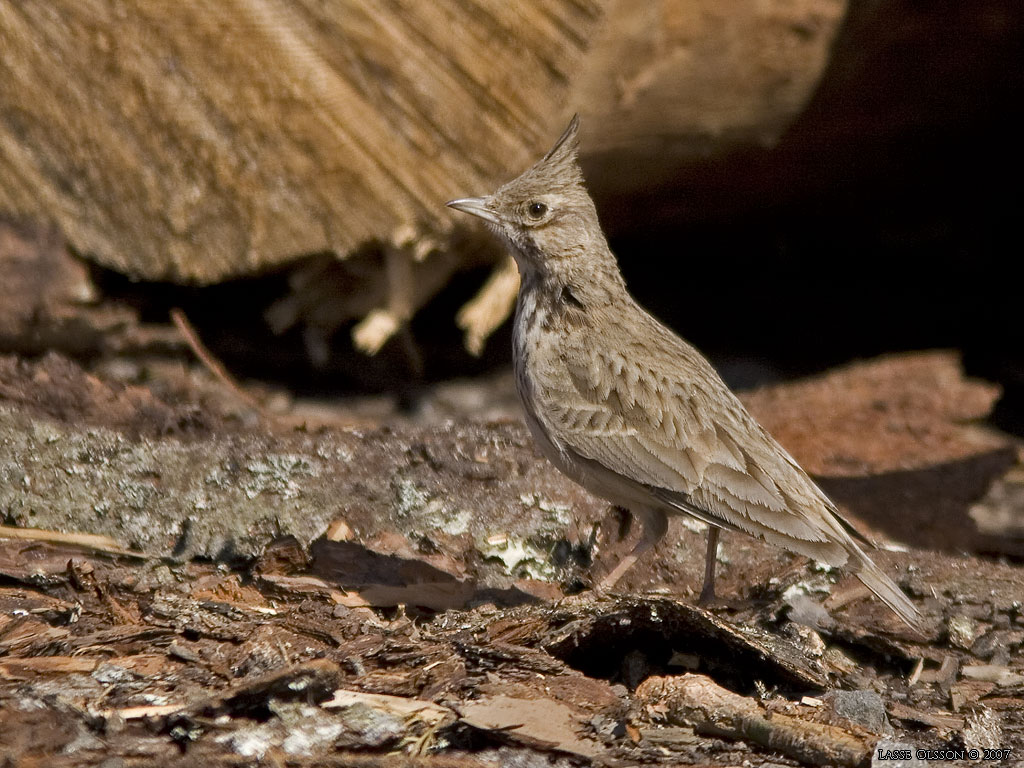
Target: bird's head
(546, 213)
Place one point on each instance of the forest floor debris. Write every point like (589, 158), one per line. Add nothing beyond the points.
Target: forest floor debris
(181, 585)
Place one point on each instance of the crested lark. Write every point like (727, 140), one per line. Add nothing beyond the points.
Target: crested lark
(630, 411)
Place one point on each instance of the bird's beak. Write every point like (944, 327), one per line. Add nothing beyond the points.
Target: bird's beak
(476, 206)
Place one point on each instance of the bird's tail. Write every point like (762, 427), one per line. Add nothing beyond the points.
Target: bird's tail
(885, 589)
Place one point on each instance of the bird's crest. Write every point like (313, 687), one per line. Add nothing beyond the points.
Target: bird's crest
(568, 143)
(559, 168)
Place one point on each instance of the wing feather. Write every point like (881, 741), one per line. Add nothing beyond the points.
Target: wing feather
(697, 448)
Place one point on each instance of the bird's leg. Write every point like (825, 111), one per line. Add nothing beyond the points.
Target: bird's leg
(655, 525)
(707, 592)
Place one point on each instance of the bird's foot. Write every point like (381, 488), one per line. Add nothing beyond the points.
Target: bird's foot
(707, 596)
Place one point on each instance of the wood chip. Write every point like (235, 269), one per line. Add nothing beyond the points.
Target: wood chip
(993, 673)
(426, 711)
(967, 692)
(139, 713)
(87, 540)
(21, 667)
(309, 681)
(539, 721)
(931, 719)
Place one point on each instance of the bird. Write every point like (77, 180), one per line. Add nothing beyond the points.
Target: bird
(623, 406)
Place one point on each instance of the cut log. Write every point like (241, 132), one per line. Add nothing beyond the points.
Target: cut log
(198, 142)
(201, 141)
(192, 142)
(673, 82)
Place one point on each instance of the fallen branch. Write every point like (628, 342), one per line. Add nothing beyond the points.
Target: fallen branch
(697, 701)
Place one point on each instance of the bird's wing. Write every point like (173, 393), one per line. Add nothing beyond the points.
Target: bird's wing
(693, 445)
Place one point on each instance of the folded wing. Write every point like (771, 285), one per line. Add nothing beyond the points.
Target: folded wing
(693, 445)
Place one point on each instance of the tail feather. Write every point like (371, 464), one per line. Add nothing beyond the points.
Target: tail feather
(871, 576)
(887, 591)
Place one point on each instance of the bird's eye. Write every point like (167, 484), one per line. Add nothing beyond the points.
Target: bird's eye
(536, 210)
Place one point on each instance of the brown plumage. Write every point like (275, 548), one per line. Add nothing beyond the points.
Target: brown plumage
(626, 408)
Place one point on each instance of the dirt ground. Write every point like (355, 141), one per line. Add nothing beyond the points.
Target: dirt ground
(184, 581)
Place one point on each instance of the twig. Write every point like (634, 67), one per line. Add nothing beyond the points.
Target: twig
(482, 314)
(212, 364)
